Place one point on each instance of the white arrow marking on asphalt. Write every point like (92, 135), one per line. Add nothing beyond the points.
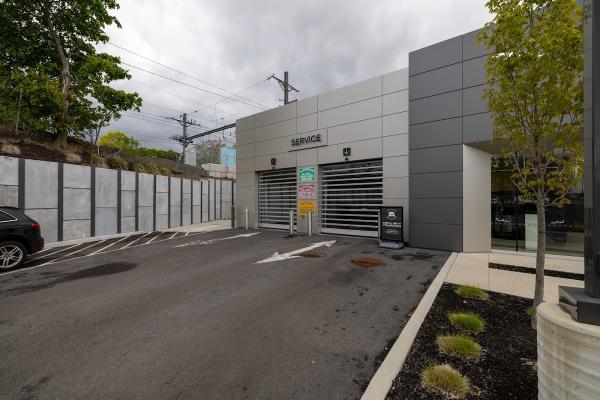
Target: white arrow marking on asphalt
(292, 254)
(203, 242)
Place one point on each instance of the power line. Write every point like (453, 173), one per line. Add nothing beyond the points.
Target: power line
(158, 120)
(186, 74)
(183, 97)
(241, 91)
(192, 86)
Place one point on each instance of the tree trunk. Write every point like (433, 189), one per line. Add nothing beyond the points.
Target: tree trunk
(62, 130)
(540, 258)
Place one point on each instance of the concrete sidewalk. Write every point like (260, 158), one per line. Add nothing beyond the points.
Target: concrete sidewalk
(473, 269)
(203, 227)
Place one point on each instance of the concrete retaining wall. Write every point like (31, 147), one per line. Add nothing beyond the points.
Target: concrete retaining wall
(76, 201)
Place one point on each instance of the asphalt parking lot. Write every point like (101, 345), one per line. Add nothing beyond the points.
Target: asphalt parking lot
(230, 314)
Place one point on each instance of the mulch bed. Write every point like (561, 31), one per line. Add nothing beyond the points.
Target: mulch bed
(506, 367)
(547, 272)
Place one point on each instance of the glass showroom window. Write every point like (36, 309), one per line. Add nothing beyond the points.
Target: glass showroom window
(514, 223)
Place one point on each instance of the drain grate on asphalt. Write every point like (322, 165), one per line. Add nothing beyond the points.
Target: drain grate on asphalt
(367, 262)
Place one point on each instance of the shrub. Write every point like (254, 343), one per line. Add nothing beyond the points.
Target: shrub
(157, 153)
(97, 161)
(118, 163)
(467, 321)
(458, 345)
(152, 169)
(138, 167)
(165, 171)
(445, 380)
(471, 292)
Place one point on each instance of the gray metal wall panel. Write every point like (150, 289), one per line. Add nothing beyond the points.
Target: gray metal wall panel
(471, 48)
(439, 125)
(435, 56)
(435, 108)
(438, 185)
(438, 81)
(436, 236)
(436, 159)
(440, 211)
(438, 133)
(474, 72)
(473, 102)
(477, 128)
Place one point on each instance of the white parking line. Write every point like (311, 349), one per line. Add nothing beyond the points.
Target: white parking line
(109, 245)
(133, 241)
(153, 237)
(60, 259)
(45, 250)
(58, 251)
(76, 251)
(175, 233)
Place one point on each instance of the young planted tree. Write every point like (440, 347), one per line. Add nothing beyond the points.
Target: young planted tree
(535, 95)
(50, 44)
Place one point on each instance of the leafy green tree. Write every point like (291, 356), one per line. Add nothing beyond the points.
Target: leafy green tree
(535, 94)
(47, 52)
(120, 141)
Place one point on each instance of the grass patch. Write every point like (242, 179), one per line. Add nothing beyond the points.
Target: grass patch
(471, 292)
(467, 322)
(458, 345)
(445, 380)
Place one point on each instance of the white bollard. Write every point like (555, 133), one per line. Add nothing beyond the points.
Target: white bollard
(309, 223)
(246, 211)
(291, 222)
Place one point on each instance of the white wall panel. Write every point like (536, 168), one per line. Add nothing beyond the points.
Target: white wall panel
(362, 150)
(395, 145)
(366, 109)
(395, 124)
(350, 94)
(367, 129)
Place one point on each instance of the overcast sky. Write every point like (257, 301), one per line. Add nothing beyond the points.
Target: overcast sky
(234, 45)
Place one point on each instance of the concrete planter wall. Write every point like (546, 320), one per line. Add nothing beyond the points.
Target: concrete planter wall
(76, 201)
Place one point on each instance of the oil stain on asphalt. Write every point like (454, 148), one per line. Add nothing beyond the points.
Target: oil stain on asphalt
(58, 278)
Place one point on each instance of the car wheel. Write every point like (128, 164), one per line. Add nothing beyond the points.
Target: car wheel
(12, 255)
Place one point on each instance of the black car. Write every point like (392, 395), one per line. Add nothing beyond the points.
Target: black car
(19, 237)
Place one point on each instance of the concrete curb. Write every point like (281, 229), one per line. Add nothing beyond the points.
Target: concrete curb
(382, 380)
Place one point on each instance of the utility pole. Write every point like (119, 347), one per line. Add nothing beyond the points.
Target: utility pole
(183, 139)
(285, 86)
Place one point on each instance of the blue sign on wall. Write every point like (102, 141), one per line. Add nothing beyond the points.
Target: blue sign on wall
(227, 156)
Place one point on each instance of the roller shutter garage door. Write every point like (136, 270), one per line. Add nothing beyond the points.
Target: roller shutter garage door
(276, 196)
(351, 194)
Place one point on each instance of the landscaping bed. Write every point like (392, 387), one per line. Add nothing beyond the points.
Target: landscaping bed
(497, 363)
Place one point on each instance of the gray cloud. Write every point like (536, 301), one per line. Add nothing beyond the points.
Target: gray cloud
(235, 44)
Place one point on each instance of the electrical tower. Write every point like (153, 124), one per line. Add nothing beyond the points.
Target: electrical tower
(285, 85)
(183, 139)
